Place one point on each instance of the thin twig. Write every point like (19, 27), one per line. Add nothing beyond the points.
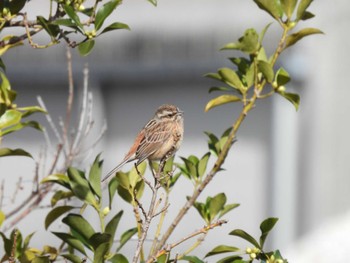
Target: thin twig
(203, 230)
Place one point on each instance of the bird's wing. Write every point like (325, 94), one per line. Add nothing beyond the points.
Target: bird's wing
(156, 134)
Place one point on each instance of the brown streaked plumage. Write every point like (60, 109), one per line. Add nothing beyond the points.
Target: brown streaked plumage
(160, 137)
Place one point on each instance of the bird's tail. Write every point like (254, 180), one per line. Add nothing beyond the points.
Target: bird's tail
(115, 169)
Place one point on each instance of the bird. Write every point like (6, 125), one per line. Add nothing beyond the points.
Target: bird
(160, 138)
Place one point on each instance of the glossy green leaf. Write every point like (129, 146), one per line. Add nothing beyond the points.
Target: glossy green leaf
(191, 169)
(221, 249)
(242, 63)
(26, 111)
(227, 208)
(220, 89)
(216, 204)
(65, 22)
(115, 26)
(72, 241)
(126, 237)
(95, 176)
(282, 77)
(288, 7)
(98, 238)
(192, 259)
(72, 258)
(80, 186)
(52, 30)
(16, 5)
(234, 259)
(60, 195)
(302, 7)
(60, 179)
(231, 78)
(81, 228)
(272, 7)
(9, 118)
(112, 188)
(202, 164)
(73, 15)
(104, 12)
(242, 234)
(248, 43)
(14, 152)
(100, 252)
(266, 226)
(291, 97)
(112, 226)
(86, 47)
(266, 69)
(118, 258)
(294, 38)
(56, 213)
(223, 99)
(33, 124)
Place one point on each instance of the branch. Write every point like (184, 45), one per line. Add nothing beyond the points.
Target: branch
(203, 230)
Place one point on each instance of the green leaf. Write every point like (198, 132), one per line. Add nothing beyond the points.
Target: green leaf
(72, 258)
(201, 209)
(263, 32)
(2, 217)
(86, 47)
(272, 7)
(100, 252)
(9, 118)
(231, 78)
(95, 176)
(14, 152)
(303, 5)
(282, 77)
(265, 227)
(26, 111)
(219, 89)
(292, 97)
(242, 234)
(16, 5)
(234, 259)
(73, 15)
(118, 258)
(33, 124)
(52, 30)
(215, 76)
(294, 38)
(153, 2)
(202, 164)
(223, 99)
(60, 179)
(266, 69)
(112, 188)
(115, 26)
(80, 186)
(81, 228)
(227, 208)
(112, 225)
(221, 249)
(56, 213)
(104, 12)
(216, 204)
(72, 241)
(98, 238)
(288, 7)
(192, 259)
(307, 15)
(65, 22)
(134, 177)
(126, 237)
(248, 43)
(41, 259)
(27, 240)
(60, 195)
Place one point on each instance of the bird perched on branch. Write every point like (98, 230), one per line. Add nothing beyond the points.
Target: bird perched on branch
(159, 139)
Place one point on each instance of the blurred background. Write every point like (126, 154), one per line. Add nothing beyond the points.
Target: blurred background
(287, 164)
